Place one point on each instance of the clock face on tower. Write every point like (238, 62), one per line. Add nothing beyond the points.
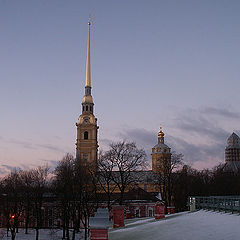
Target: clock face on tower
(86, 120)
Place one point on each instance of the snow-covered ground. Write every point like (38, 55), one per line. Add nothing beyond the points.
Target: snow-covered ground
(45, 234)
(200, 225)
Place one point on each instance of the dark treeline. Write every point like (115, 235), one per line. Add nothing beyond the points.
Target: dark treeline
(71, 192)
(21, 195)
(215, 182)
(31, 198)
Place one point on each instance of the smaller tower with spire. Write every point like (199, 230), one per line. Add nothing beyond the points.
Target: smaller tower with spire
(87, 129)
(161, 155)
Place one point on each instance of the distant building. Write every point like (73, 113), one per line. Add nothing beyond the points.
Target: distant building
(232, 154)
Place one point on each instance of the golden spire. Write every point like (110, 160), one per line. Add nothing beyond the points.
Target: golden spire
(88, 65)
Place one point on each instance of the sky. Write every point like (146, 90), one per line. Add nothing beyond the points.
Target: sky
(154, 63)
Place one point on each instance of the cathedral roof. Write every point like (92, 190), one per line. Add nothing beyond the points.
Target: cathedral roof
(138, 194)
(161, 145)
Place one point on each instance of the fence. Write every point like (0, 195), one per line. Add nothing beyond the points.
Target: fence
(216, 203)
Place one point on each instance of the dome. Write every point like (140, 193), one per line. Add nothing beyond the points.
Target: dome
(233, 141)
(87, 99)
(161, 134)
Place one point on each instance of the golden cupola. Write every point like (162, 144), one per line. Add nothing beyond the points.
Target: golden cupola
(161, 136)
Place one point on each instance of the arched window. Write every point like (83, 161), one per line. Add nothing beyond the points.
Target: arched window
(90, 108)
(86, 108)
(86, 135)
(83, 108)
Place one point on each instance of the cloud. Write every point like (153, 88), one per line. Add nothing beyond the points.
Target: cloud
(191, 132)
(221, 112)
(50, 147)
(140, 136)
(105, 142)
(200, 154)
(194, 122)
(6, 169)
(3, 171)
(204, 139)
(196, 155)
(52, 164)
(30, 145)
(24, 144)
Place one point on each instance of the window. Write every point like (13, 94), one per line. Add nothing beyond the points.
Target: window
(86, 108)
(86, 135)
(90, 108)
(85, 157)
(83, 108)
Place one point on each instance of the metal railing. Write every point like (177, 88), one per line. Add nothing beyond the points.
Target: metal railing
(216, 203)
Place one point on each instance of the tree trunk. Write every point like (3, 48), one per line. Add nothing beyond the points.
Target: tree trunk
(37, 233)
(64, 223)
(64, 232)
(7, 229)
(13, 234)
(73, 234)
(27, 220)
(85, 234)
(86, 228)
(67, 228)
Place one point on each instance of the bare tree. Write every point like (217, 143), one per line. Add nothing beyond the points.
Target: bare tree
(86, 193)
(75, 186)
(14, 201)
(126, 159)
(27, 184)
(165, 176)
(39, 186)
(64, 186)
(105, 176)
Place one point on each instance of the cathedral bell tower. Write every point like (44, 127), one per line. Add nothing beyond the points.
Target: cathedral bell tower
(161, 155)
(87, 129)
